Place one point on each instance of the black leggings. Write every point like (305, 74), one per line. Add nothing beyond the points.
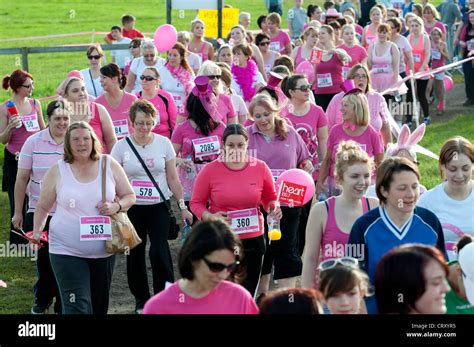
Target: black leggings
(420, 86)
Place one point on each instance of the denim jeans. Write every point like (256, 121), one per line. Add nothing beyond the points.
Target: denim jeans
(84, 283)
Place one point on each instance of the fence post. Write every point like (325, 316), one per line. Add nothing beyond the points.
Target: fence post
(168, 11)
(24, 58)
(219, 18)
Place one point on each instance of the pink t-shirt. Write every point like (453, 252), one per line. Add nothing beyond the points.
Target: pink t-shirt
(224, 189)
(437, 59)
(307, 127)
(438, 25)
(357, 54)
(329, 76)
(165, 115)
(370, 141)
(226, 298)
(225, 108)
(119, 115)
(377, 107)
(279, 42)
(39, 153)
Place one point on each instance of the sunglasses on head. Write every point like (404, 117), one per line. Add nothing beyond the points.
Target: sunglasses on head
(218, 267)
(212, 77)
(264, 43)
(304, 88)
(96, 57)
(345, 261)
(148, 78)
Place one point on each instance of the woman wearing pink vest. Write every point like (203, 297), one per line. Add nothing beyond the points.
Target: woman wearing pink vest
(15, 130)
(199, 46)
(330, 222)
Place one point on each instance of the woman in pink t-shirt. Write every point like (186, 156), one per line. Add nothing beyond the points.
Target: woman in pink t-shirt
(330, 222)
(96, 115)
(355, 126)
(328, 73)
(14, 131)
(167, 111)
(232, 189)
(280, 41)
(378, 109)
(431, 20)
(204, 49)
(357, 53)
(115, 100)
(210, 265)
(303, 52)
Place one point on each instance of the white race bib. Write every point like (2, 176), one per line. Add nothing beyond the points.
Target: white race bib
(275, 46)
(95, 228)
(121, 128)
(381, 68)
(145, 191)
(470, 45)
(206, 146)
(416, 57)
(324, 80)
(345, 71)
(244, 221)
(31, 123)
(436, 54)
(179, 100)
(276, 173)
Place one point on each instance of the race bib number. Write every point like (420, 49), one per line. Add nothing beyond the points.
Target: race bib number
(470, 45)
(316, 55)
(370, 40)
(121, 128)
(416, 58)
(268, 68)
(276, 173)
(435, 54)
(324, 80)
(345, 71)
(381, 68)
(244, 221)
(145, 191)
(31, 123)
(275, 46)
(206, 146)
(95, 228)
(179, 103)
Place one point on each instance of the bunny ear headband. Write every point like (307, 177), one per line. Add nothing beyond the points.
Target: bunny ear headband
(409, 142)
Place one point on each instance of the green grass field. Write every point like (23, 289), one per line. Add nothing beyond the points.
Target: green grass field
(59, 17)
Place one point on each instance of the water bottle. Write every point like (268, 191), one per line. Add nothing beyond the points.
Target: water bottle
(397, 96)
(322, 196)
(185, 231)
(191, 171)
(274, 231)
(13, 111)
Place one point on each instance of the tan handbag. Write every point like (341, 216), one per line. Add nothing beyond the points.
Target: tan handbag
(124, 235)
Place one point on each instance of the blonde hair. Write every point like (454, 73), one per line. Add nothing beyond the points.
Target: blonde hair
(275, 18)
(375, 8)
(310, 31)
(197, 21)
(349, 153)
(96, 145)
(267, 102)
(352, 72)
(432, 9)
(361, 107)
(209, 68)
(315, 24)
(419, 21)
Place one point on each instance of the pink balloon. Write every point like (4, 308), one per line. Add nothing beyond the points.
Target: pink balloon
(448, 83)
(165, 37)
(306, 68)
(300, 177)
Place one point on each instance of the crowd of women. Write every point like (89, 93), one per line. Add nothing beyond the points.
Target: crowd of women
(216, 135)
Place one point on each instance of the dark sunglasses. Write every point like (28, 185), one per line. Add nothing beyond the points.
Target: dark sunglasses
(212, 77)
(218, 267)
(304, 88)
(264, 43)
(148, 78)
(96, 57)
(137, 46)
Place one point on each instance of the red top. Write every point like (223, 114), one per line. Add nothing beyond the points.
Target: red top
(131, 34)
(96, 124)
(329, 76)
(231, 190)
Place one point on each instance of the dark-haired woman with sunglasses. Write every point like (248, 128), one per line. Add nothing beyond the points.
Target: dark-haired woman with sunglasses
(167, 112)
(262, 40)
(115, 100)
(135, 52)
(14, 131)
(210, 255)
(91, 76)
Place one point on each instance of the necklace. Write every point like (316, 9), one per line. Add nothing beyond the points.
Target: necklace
(145, 144)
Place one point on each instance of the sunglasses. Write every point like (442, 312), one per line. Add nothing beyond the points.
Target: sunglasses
(218, 267)
(345, 261)
(212, 77)
(148, 78)
(304, 88)
(96, 57)
(27, 86)
(134, 47)
(264, 43)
